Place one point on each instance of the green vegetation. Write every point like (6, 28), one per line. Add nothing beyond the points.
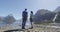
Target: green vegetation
(44, 23)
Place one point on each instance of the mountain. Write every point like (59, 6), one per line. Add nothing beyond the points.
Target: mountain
(9, 19)
(44, 16)
(1, 18)
(42, 11)
(58, 18)
(57, 9)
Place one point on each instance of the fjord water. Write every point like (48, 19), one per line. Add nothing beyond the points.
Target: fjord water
(16, 23)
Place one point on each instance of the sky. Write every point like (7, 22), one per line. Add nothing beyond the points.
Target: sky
(15, 7)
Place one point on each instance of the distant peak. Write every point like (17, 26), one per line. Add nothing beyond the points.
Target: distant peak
(57, 9)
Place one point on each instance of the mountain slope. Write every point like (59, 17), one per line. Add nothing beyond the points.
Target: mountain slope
(44, 16)
(57, 9)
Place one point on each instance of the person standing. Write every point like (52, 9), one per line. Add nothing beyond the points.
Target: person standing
(31, 19)
(24, 18)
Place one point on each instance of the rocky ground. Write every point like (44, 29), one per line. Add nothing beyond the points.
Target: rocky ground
(40, 28)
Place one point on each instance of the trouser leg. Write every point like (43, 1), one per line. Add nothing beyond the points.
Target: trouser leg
(23, 24)
(31, 24)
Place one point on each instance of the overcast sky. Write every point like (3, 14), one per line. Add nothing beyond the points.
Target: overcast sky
(16, 7)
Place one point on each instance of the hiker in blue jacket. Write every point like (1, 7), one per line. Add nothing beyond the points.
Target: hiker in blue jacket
(24, 18)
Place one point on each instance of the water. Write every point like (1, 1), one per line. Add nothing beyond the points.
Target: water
(2, 23)
(16, 23)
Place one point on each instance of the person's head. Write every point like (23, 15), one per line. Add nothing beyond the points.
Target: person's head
(32, 12)
(25, 9)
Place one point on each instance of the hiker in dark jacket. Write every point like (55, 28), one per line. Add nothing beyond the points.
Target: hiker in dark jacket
(24, 18)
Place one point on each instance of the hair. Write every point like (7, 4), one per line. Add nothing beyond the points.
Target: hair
(32, 12)
(25, 8)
